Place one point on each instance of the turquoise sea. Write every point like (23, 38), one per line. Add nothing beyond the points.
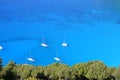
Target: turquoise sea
(91, 28)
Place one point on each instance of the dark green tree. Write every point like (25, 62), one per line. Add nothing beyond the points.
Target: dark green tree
(0, 64)
(38, 73)
(97, 71)
(0, 67)
(116, 73)
(8, 73)
(24, 71)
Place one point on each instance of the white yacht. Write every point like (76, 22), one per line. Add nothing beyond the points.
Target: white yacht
(1, 47)
(57, 58)
(30, 58)
(43, 43)
(64, 44)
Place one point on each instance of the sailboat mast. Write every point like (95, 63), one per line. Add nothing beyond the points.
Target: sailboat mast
(57, 53)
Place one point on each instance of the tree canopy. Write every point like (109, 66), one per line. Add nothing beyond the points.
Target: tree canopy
(94, 70)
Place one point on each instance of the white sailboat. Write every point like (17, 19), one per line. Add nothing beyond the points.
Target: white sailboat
(64, 44)
(30, 58)
(1, 47)
(43, 43)
(57, 58)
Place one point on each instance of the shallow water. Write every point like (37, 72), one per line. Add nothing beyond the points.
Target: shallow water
(91, 29)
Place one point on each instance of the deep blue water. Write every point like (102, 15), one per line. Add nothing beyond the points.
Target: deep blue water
(90, 27)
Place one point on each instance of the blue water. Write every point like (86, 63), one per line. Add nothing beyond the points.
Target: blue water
(91, 28)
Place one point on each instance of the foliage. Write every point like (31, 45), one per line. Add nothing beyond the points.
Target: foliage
(8, 72)
(116, 73)
(94, 70)
(97, 71)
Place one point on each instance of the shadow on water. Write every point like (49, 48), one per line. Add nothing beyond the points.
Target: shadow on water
(18, 39)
